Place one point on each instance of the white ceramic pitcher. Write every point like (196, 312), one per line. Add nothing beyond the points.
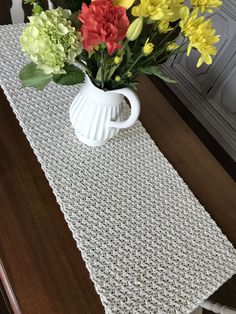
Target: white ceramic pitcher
(97, 115)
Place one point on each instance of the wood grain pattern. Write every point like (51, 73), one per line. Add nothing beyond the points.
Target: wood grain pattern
(8, 296)
(42, 262)
(5, 307)
(210, 183)
(206, 138)
(44, 266)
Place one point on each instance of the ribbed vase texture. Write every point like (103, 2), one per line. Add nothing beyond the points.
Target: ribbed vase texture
(97, 115)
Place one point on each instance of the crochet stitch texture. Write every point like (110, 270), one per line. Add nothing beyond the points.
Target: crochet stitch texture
(148, 243)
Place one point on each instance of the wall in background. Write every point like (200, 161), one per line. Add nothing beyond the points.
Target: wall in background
(210, 91)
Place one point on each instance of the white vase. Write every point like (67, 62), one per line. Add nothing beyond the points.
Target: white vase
(97, 115)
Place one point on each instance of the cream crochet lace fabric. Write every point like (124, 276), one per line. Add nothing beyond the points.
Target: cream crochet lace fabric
(149, 246)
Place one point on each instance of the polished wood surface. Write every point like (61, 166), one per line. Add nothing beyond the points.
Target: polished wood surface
(212, 145)
(210, 183)
(9, 302)
(208, 180)
(43, 265)
(5, 306)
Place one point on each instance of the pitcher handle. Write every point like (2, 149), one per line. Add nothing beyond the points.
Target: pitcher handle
(135, 109)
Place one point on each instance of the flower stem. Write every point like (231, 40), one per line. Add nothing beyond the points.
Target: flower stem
(102, 68)
(175, 52)
(83, 66)
(132, 65)
(168, 35)
(125, 43)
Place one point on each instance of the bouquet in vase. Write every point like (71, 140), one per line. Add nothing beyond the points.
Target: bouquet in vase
(113, 42)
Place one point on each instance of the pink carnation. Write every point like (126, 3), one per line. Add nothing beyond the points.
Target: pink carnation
(103, 23)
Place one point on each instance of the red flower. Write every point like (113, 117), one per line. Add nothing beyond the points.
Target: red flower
(103, 23)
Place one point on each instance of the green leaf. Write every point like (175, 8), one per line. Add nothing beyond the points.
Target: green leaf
(133, 85)
(99, 74)
(37, 9)
(149, 21)
(29, 1)
(103, 45)
(74, 20)
(31, 76)
(154, 70)
(128, 54)
(72, 76)
(112, 71)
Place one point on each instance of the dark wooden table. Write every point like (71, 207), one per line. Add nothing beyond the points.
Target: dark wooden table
(41, 268)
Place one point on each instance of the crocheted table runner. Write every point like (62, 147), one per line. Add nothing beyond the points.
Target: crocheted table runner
(149, 246)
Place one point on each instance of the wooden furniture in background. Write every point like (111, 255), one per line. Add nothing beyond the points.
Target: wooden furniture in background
(5, 14)
(209, 91)
(16, 11)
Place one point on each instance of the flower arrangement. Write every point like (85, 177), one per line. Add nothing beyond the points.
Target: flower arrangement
(113, 41)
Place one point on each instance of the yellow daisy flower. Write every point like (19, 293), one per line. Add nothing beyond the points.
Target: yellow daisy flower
(148, 48)
(206, 5)
(200, 34)
(164, 26)
(117, 60)
(117, 78)
(172, 46)
(153, 9)
(163, 11)
(123, 3)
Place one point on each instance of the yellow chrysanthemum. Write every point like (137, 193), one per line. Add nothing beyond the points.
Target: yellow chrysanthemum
(148, 48)
(129, 74)
(200, 34)
(163, 11)
(153, 9)
(206, 5)
(172, 46)
(175, 6)
(117, 60)
(123, 3)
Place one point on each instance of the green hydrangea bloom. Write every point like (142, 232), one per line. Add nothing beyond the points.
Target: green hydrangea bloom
(50, 41)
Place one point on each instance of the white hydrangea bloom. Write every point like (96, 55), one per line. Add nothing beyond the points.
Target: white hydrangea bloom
(50, 41)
